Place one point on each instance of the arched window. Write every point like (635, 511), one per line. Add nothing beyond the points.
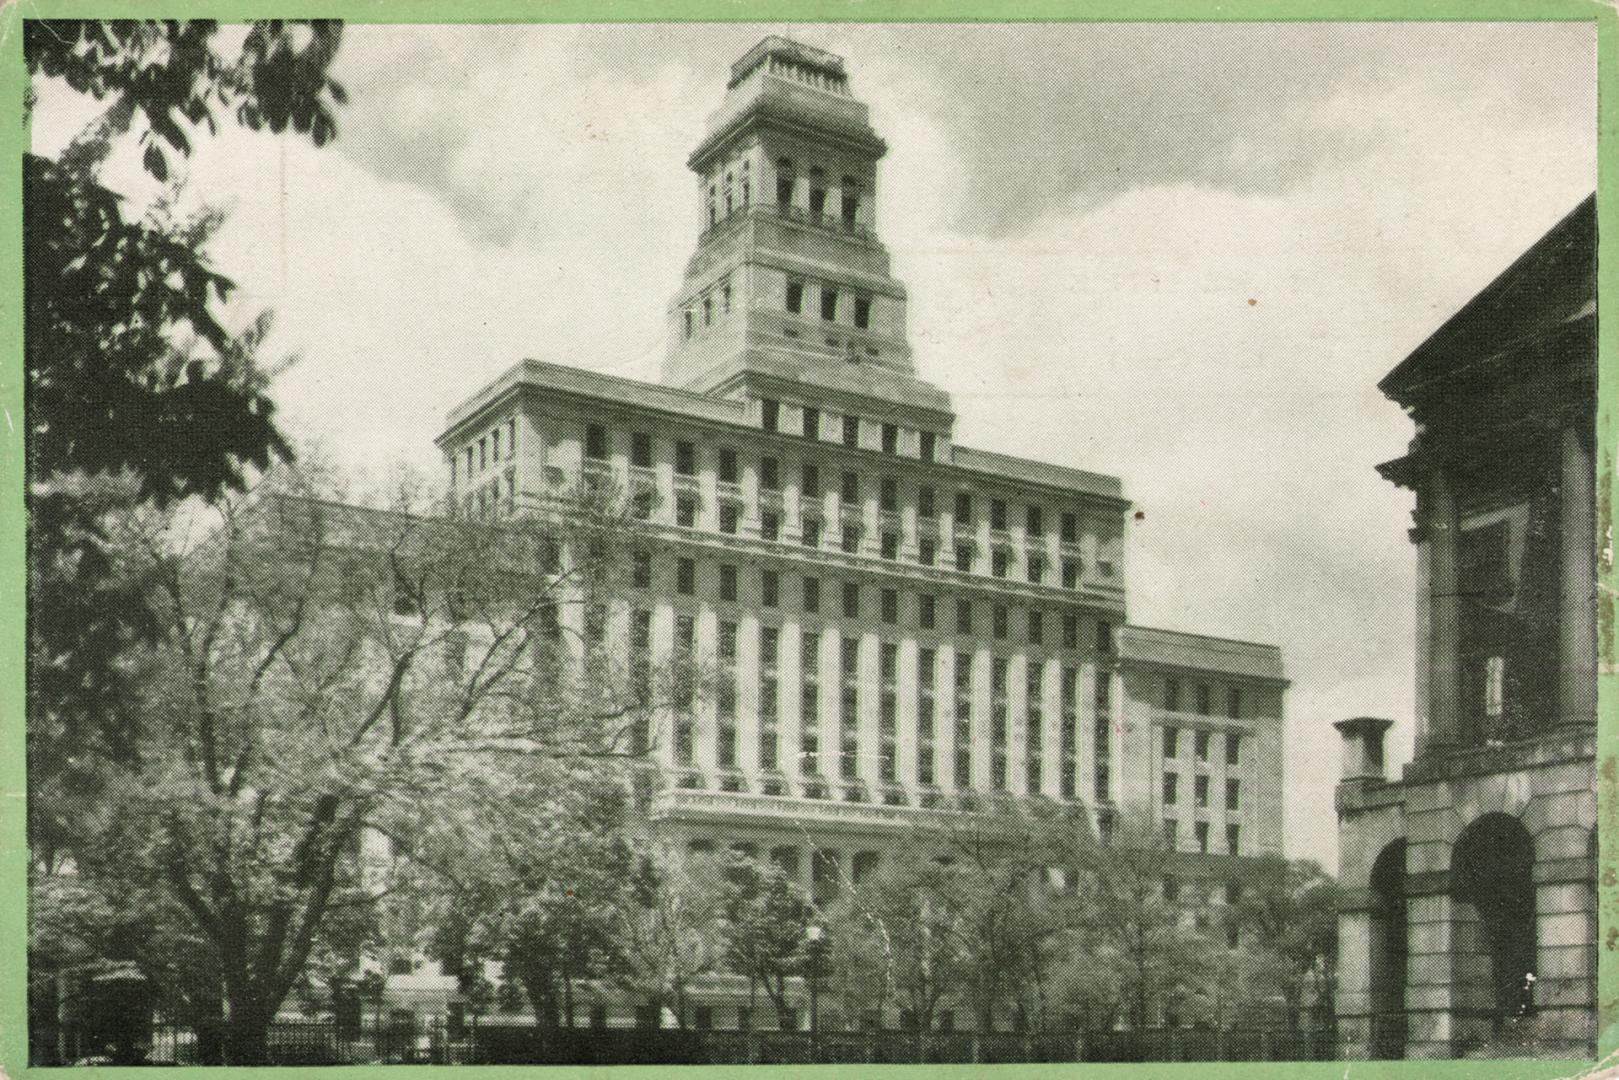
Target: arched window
(851, 201)
(817, 195)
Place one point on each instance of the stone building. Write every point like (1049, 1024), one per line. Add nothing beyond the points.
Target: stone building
(901, 623)
(1470, 923)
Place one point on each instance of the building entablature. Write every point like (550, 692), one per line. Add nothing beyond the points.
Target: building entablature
(1174, 652)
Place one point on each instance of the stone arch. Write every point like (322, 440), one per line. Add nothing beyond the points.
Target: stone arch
(1494, 922)
(1389, 952)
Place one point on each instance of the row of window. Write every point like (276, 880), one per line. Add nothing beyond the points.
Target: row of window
(1202, 738)
(1200, 838)
(926, 606)
(848, 752)
(489, 450)
(858, 309)
(1200, 791)
(1202, 699)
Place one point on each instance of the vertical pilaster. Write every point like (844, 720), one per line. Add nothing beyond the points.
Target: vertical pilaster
(1444, 637)
(1577, 611)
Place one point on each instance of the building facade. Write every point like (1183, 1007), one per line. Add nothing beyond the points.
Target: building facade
(1470, 925)
(900, 625)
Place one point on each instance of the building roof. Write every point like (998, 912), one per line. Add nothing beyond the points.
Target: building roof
(1548, 287)
(1199, 652)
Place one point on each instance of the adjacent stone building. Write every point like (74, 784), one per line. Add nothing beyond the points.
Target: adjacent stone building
(1470, 926)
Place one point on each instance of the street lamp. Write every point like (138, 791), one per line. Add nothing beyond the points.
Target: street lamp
(814, 953)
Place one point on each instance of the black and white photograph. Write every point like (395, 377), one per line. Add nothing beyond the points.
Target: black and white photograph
(788, 543)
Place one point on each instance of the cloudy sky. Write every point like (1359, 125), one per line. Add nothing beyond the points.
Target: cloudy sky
(1183, 254)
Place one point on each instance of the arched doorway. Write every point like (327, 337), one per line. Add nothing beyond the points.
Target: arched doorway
(1492, 878)
(1389, 949)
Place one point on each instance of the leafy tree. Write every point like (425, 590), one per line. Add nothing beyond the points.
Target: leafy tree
(766, 919)
(137, 391)
(1289, 914)
(327, 674)
(668, 928)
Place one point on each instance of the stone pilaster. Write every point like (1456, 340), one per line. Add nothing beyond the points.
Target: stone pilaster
(1444, 629)
(1577, 609)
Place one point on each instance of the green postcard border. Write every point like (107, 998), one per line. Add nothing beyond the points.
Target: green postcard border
(13, 140)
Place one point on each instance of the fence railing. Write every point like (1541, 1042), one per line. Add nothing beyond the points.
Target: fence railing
(435, 1041)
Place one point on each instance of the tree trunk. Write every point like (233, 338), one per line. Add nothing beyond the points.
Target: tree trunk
(247, 1036)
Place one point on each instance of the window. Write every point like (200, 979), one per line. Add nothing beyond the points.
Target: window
(890, 545)
(784, 181)
(890, 438)
(725, 292)
(851, 538)
(812, 423)
(926, 552)
(964, 557)
(1204, 699)
(769, 525)
(862, 311)
(685, 511)
(1070, 631)
(769, 588)
(812, 532)
(494, 445)
(850, 492)
(997, 513)
(929, 445)
(809, 481)
(1233, 837)
(727, 581)
(691, 321)
(708, 311)
(1037, 569)
(1171, 788)
(924, 502)
(889, 494)
(964, 617)
(851, 600)
(1233, 748)
(770, 474)
(1171, 743)
(1171, 833)
(890, 606)
(1233, 702)
(1171, 886)
(728, 517)
(829, 304)
(1104, 637)
(769, 413)
(1070, 574)
(795, 297)
(812, 594)
(1172, 695)
(1200, 745)
(851, 200)
(641, 449)
(1495, 679)
(964, 509)
(851, 430)
(1200, 792)
(685, 577)
(998, 621)
(595, 442)
(483, 453)
(641, 569)
(1037, 628)
(1034, 522)
(998, 562)
(817, 197)
(924, 611)
(685, 459)
(1233, 794)
(1201, 830)
(1069, 528)
(727, 470)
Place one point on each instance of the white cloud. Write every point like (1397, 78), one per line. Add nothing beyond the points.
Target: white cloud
(1116, 336)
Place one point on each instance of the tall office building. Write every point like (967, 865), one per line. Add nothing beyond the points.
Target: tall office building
(898, 623)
